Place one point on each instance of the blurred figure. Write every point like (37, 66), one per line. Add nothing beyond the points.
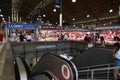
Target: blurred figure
(21, 37)
(102, 41)
(61, 37)
(90, 44)
(116, 56)
(116, 38)
(29, 37)
(65, 37)
(86, 38)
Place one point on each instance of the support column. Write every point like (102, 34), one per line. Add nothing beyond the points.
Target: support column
(60, 20)
(14, 15)
(20, 19)
(8, 18)
(119, 12)
(17, 16)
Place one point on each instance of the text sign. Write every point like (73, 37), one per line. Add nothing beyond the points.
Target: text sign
(20, 26)
(45, 46)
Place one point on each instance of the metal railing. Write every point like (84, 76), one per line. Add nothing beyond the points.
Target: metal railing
(91, 71)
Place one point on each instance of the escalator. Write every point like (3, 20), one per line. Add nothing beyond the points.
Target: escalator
(49, 67)
(22, 71)
(41, 77)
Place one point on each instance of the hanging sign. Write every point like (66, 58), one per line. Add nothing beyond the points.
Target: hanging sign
(57, 3)
(20, 26)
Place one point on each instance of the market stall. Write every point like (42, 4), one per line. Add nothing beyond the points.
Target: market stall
(13, 30)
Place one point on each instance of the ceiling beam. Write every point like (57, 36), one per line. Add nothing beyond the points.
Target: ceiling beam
(16, 4)
(95, 20)
(41, 5)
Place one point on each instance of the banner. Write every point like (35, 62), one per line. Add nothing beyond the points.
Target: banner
(20, 26)
(46, 27)
(14, 26)
(57, 3)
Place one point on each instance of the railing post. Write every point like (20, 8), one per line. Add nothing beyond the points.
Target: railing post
(92, 74)
(108, 72)
(24, 51)
(88, 73)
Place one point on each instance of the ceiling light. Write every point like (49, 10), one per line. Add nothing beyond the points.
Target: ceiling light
(73, 0)
(54, 10)
(63, 21)
(0, 10)
(3, 19)
(111, 10)
(1, 15)
(73, 19)
(44, 15)
(37, 18)
(88, 15)
(49, 24)
(56, 23)
(74, 25)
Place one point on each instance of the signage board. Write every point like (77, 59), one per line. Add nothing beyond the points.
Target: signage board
(20, 26)
(46, 27)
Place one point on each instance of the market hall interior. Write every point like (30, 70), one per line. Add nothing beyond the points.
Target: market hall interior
(31, 32)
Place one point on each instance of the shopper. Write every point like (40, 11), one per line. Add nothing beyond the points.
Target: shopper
(65, 37)
(29, 37)
(21, 37)
(116, 56)
(86, 38)
(102, 41)
(61, 37)
(90, 45)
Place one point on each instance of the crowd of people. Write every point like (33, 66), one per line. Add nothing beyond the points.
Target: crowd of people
(21, 37)
(87, 36)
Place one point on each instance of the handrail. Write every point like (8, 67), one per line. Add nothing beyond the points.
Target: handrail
(99, 69)
(22, 71)
(95, 66)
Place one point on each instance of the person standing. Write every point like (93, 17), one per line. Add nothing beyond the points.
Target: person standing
(90, 45)
(116, 56)
(21, 37)
(61, 37)
(102, 40)
(29, 37)
(65, 37)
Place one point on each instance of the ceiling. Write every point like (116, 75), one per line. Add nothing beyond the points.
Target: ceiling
(98, 10)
